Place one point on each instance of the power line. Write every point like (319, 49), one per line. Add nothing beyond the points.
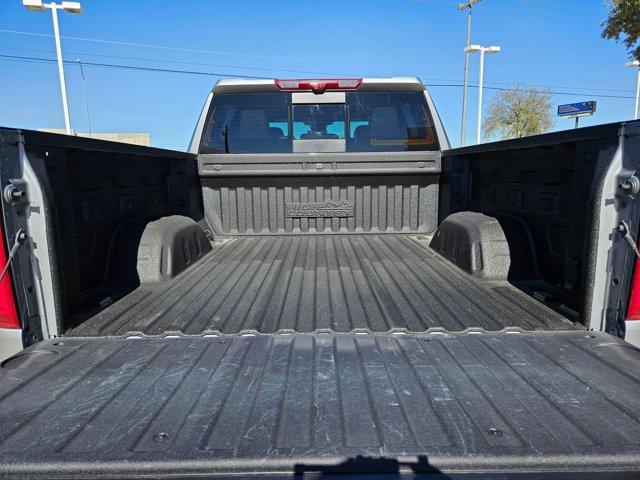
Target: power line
(162, 47)
(232, 75)
(242, 67)
(130, 67)
(563, 77)
(503, 10)
(542, 86)
(560, 6)
(597, 95)
(178, 62)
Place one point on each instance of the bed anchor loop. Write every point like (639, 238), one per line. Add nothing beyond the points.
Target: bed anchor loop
(18, 241)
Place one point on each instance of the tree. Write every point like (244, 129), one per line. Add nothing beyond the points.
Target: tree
(623, 24)
(518, 112)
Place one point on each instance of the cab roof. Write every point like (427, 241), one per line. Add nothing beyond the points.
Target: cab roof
(268, 85)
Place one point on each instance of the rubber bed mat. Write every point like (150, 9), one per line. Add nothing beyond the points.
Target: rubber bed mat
(338, 283)
(495, 402)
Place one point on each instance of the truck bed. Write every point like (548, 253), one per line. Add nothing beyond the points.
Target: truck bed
(376, 283)
(492, 402)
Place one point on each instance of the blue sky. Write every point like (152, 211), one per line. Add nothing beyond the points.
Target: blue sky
(552, 44)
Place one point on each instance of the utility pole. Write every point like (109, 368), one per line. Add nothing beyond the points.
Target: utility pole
(69, 7)
(463, 128)
(86, 99)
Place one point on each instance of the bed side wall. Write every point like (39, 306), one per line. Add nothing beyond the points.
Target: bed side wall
(544, 193)
(95, 193)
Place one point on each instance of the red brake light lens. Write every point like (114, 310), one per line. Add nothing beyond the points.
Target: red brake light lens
(319, 85)
(8, 311)
(633, 308)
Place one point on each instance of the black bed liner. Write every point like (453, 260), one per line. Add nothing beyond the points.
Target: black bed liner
(340, 283)
(497, 402)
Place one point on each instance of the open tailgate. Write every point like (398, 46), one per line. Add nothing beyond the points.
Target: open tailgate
(305, 403)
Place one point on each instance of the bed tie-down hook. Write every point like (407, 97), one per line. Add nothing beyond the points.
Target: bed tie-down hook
(623, 228)
(18, 241)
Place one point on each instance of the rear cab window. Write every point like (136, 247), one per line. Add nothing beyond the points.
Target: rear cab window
(290, 122)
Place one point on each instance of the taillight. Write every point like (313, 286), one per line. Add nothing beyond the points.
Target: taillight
(633, 308)
(319, 85)
(8, 310)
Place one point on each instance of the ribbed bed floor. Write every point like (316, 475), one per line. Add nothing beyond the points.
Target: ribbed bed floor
(545, 401)
(307, 283)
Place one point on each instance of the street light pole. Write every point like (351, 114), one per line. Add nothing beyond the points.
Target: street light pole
(635, 110)
(480, 87)
(63, 87)
(636, 64)
(69, 7)
(482, 51)
(465, 90)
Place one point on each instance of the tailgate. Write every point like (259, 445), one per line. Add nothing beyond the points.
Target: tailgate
(303, 403)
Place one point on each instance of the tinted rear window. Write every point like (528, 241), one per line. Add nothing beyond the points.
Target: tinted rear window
(366, 122)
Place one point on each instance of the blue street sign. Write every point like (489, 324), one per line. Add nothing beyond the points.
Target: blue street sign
(580, 108)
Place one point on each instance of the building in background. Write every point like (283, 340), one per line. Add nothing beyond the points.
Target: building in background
(135, 138)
